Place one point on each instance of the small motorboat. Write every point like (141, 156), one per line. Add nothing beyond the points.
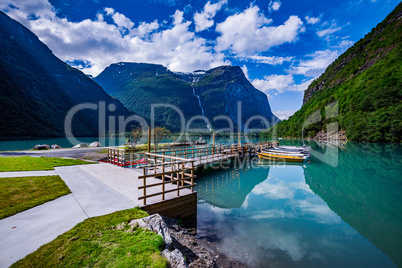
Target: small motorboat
(286, 153)
(280, 156)
(303, 149)
(281, 151)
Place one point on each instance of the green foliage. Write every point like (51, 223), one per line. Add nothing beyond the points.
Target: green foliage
(158, 134)
(366, 83)
(22, 193)
(27, 163)
(97, 242)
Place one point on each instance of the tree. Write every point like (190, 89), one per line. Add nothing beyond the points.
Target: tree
(136, 134)
(158, 134)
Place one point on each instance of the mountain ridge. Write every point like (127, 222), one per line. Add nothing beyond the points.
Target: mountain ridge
(200, 94)
(38, 89)
(362, 89)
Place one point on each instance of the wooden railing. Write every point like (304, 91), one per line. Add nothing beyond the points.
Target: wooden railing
(171, 170)
(137, 157)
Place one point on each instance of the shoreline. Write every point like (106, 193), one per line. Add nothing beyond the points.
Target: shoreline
(197, 252)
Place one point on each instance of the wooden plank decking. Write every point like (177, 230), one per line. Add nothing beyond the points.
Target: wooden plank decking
(126, 182)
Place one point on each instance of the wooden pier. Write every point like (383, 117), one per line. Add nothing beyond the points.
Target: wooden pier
(165, 178)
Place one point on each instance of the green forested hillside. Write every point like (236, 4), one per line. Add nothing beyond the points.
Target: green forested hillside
(366, 83)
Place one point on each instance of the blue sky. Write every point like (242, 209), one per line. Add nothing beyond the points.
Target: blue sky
(281, 45)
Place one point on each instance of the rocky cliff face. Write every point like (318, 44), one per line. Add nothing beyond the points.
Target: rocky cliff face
(202, 96)
(38, 89)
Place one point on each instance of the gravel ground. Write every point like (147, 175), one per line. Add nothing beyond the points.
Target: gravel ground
(198, 253)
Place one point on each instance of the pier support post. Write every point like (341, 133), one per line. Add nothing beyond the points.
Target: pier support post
(149, 139)
(213, 142)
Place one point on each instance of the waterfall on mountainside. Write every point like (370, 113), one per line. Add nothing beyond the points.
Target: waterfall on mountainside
(196, 93)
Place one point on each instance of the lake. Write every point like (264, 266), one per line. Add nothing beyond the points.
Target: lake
(26, 144)
(343, 209)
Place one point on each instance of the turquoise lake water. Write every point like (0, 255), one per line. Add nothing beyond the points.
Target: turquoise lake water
(13, 145)
(344, 209)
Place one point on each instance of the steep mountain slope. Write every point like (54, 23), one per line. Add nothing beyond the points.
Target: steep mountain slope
(37, 89)
(205, 94)
(366, 83)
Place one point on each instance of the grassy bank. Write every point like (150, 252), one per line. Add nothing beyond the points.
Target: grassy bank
(22, 193)
(27, 163)
(101, 242)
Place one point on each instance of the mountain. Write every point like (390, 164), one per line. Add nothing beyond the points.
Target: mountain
(363, 87)
(206, 94)
(38, 89)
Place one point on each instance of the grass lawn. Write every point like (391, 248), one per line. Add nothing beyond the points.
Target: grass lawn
(21, 193)
(27, 163)
(97, 242)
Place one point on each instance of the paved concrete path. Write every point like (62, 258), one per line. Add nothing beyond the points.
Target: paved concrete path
(27, 173)
(25, 232)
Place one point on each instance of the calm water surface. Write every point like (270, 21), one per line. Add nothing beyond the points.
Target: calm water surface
(14, 145)
(341, 210)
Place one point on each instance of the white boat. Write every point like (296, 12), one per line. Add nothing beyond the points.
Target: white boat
(305, 149)
(286, 152)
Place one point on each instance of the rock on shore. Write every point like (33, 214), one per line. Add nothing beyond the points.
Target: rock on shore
(341, 135)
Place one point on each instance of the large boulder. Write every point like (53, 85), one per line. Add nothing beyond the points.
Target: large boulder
(41, 147)
(175, 258)
(55, 146)
(95, 144)
(156, 224)
(81, 145)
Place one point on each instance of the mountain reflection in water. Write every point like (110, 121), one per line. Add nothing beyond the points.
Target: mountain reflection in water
(308, 216)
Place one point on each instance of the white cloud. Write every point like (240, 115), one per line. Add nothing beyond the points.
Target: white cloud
(330, 30)
(283, 115)
(248, 32)
(23, 8)
(270, 214)
(344, 44)
(273, 60)
(204, 19)
(123, 23)
(100, 43)
(312, 20)
(300, 87)
(280, 84)
(322, 212)
(245, 71)
(273, 82)
(144, 29)
(274, 5)
(317, 63)
(274, 190)
(178, 17)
